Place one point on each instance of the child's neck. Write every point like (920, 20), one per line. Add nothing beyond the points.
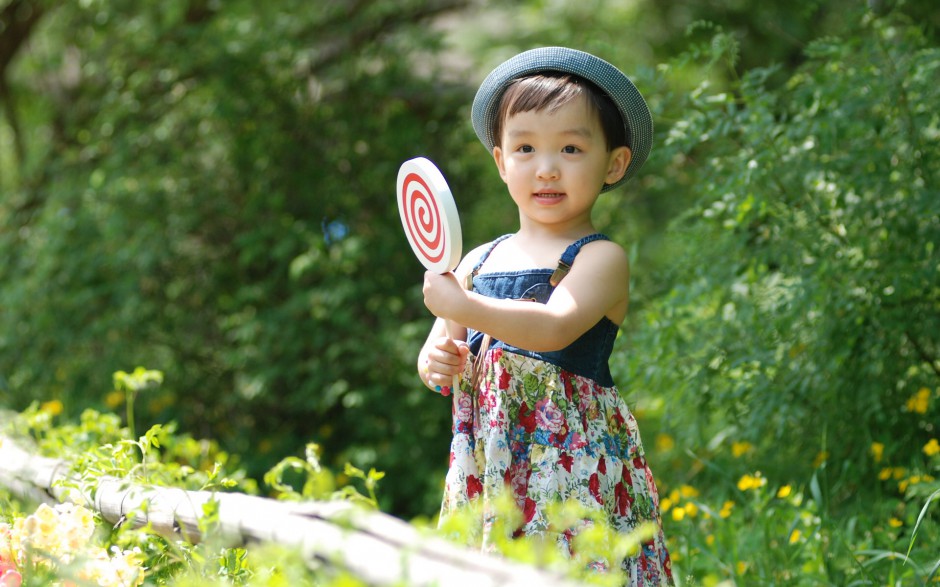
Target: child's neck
(532, 231)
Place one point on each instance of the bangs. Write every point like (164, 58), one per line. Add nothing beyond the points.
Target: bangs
(549, 92)
(539, 93)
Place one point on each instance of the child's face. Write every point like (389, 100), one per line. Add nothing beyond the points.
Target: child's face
(555, 164)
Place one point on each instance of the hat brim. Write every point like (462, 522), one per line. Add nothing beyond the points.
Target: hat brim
(633, 108)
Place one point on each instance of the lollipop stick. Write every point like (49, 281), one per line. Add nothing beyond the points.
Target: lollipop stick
(455, 382)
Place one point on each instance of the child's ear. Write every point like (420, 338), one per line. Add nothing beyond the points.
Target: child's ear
(619, 161)
(500, 164)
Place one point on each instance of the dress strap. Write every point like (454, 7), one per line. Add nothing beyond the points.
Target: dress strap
(567, 258)
(476, 268)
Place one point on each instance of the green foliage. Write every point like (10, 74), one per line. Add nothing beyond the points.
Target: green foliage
(168, 561)
(214, 199)
(803, 316)
(595, 544)
(99, 446)
(754, 532)
(318, 483)
(801, 321)
(737, 526)
(131, 385)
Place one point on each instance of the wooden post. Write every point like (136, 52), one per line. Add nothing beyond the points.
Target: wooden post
(377, 548)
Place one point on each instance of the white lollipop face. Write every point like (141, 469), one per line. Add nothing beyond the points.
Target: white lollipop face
(429, 215)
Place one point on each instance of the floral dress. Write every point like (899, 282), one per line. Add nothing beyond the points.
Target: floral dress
(550, 427)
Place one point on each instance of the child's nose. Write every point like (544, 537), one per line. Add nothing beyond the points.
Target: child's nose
(547, 168)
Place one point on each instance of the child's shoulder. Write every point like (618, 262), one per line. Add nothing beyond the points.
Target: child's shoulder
(476, 255)
(604, 252)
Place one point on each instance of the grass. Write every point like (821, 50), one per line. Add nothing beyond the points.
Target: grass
(735, 527)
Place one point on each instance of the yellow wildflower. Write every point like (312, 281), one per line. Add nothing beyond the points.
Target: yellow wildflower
(895, 523)
(919, 402)
(678, 514)
(664, 442)
(691, 509)
(739, 449)
(665, 504)
(688, 491)
(675, 495)
(52, 407)
(741, 567)
(932, 448)
(114, 399)
(710, 540)
(784, 491)
(795, 536)
(877, 451)
(754, 481)
(885, 473)
(726, 509)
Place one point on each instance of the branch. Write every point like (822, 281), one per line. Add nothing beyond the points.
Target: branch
(376, 547)
(350, 44)
(199, 11)
(16, 23)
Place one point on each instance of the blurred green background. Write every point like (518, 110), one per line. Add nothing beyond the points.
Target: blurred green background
(206, 188)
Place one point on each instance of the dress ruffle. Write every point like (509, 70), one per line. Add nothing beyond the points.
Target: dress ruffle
(549, 436)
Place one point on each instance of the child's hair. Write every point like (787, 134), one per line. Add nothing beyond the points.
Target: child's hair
(552, 90)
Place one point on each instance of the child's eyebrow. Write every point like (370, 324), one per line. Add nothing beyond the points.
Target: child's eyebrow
(581, 131)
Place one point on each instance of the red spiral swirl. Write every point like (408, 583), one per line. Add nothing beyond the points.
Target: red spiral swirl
(423, 218)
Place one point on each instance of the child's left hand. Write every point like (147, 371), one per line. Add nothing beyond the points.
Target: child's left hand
(441, 293)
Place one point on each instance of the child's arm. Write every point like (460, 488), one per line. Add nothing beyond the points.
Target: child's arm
(597, 285)
(445, 351)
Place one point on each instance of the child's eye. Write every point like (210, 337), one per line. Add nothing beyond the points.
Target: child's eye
(526, 149)
(570, 149)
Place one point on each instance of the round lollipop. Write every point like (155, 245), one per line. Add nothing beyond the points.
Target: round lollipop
(429, 217)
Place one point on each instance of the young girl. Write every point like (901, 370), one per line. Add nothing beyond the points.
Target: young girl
(529, 320)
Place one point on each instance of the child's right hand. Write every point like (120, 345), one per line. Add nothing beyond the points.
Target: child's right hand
(445, 358)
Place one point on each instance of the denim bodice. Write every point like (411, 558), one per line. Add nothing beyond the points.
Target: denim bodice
(587, 356)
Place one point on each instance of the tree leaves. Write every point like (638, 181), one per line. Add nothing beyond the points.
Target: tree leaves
(805, 265)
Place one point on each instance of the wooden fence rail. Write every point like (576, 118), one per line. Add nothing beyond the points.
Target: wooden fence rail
(376, 547)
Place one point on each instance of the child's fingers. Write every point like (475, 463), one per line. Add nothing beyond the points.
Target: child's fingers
(445, 359)
(440, 376)
(446, 364)
(447, 345)
(450, 352)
